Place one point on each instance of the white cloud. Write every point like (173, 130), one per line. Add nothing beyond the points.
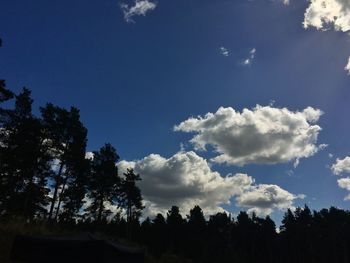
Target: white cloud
(301, 196)
(89, 155)
(327, 14)
(341, 166)
(322, 14)
(249, 60)
(345, 184)
(186, 179)
(140, 7)
(262, 135)
(224, 51)
(263, 198)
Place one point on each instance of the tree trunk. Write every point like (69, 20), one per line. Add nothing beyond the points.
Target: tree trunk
(100, 210)
(60, 198)
(128, 219)
(26, 201)
(54, 197)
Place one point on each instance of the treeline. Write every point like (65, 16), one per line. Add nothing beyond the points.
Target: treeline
(44, 171)
(305, 236)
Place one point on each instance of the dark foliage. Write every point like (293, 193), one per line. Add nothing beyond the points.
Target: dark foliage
(103, 182)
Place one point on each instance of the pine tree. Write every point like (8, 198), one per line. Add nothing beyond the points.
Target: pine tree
(103, 182)
(130, 199)
(175, 225)
(73, 197)
(67, 138)
(25, 162)
(130, 195)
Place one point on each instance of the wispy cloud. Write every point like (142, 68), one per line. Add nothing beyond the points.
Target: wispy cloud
(140, 7)
(224, 51)
(249, 60)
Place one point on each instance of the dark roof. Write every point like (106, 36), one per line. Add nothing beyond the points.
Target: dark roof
(78, 248)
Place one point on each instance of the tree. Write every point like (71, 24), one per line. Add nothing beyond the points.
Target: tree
(196, 218)
(130, 195)
(175, 224)
(67, 138)
(130, 198)
(24, 161)
(159, 235)
(196, 233)
(174, 217)
(103, 182)
(5, 94)
(73, 197)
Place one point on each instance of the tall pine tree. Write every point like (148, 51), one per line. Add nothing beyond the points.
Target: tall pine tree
(67, 138)
(103, 182)
(25, 161)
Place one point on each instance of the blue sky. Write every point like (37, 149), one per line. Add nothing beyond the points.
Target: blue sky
(134, 80)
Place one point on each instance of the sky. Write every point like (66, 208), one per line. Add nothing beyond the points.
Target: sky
(230, 104)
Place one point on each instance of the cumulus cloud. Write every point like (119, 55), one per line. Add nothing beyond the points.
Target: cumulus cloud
(262, 135)
(140, 7)
(328, 14)
(224, 51)
(249, 60)
(341, 166)
(263, 198)
(186, 179)
(345, 184)
(323, 14)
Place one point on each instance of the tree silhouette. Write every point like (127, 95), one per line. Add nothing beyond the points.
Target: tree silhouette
(196, 218)
(159, 233)
(66, 136)
(130, 197)
(5, 94)
(196, 233)
(103, 182)
(74, 195)
(175, 224)
(24, 161)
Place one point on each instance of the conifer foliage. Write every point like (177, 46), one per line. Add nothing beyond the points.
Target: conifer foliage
(44, 171)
